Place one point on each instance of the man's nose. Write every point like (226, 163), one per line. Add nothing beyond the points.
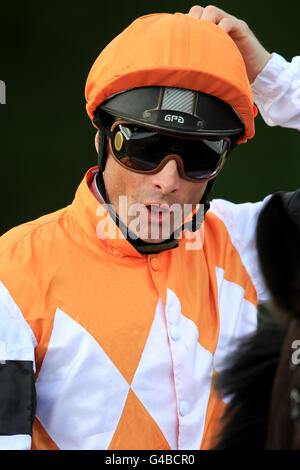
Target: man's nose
(167, 180)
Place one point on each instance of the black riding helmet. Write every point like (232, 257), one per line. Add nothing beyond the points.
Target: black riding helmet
(175, 110)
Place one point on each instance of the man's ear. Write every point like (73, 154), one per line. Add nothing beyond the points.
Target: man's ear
(278, 245)
(97, 141)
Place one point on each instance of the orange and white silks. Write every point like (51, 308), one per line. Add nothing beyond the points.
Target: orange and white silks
(125, 346)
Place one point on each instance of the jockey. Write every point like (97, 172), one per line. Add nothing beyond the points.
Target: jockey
(118, 311)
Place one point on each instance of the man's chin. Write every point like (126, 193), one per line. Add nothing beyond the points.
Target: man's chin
(155, 237)
(155, 233)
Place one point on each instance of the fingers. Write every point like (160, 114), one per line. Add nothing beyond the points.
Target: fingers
(234, 27)
(196, 12)
(209, 13)
(237, 29)
(214, 14)
(254, 54)
(230, 24)
(227, 24)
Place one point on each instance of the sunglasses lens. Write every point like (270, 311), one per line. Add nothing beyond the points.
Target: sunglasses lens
(144, 150)
(202, 158)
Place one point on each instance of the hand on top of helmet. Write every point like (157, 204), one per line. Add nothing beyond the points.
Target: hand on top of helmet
(254, 54)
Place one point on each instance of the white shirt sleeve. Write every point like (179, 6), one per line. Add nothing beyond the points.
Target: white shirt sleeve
(241, 221)
(276, 92)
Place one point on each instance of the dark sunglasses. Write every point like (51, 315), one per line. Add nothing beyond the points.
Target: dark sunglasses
(145, 151)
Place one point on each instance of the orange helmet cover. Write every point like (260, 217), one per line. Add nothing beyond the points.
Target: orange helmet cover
(173, 50)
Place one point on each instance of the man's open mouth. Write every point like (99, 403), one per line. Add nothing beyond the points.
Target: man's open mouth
(158, 212)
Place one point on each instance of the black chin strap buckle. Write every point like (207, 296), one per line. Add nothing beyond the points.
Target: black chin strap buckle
(103, 132)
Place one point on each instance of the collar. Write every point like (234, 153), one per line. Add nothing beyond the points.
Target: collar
(94, 226)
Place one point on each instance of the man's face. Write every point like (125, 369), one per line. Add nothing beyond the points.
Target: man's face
(156, 204)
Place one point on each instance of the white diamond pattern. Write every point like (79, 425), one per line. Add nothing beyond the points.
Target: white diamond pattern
(82, 394)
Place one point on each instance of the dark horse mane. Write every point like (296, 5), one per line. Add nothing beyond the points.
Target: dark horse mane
(258, 375)
(248, 379)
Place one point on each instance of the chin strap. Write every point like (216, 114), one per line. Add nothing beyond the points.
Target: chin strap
(197, 220)
(102, 135)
